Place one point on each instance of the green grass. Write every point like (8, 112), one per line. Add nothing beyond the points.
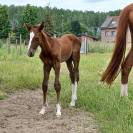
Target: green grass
(114, 114)
(2, 95)
(19, 72)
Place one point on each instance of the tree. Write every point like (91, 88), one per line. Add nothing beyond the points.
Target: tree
(57, 20)
(75, 27)
(48, 24)
(29, 16)
(4, 22)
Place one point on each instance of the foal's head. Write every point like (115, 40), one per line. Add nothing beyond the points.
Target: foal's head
(35, 38)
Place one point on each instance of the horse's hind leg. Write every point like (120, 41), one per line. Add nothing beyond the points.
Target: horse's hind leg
(126, 68)
(76, 59)
(76, 73)
(72, 77)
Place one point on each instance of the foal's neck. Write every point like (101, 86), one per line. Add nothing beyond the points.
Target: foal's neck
(46, 43)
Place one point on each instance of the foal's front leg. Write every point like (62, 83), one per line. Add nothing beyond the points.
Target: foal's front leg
(46, 69)
(57, 86)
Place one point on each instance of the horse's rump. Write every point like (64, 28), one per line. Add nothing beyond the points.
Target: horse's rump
(69, 39)
(69, 43)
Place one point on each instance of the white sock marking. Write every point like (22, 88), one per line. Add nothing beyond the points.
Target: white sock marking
(58, 110)
(31, 37)
(124, 90)
(43, 110)
(74, 94)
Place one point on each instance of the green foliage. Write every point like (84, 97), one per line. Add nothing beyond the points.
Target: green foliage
(1, 44)
(48, 24)
(114, 13)
(4, 22)
(29, 16)
(75, 27)
(90, 21)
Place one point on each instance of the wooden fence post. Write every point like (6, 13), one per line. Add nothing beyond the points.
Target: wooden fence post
(20, 44)
(16, 46)
(24, 46)
(8, 44)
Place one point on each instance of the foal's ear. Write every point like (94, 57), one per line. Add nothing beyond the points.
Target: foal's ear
(28, 27)
(41, 26)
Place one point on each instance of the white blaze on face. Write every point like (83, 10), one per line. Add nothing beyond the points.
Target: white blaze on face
(31, 37)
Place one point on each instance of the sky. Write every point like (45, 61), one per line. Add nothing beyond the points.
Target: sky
(93, 5)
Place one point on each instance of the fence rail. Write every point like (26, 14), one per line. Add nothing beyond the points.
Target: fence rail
(14, 47)
(19, 47)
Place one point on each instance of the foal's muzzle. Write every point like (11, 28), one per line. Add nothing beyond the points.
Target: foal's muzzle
(31, 53)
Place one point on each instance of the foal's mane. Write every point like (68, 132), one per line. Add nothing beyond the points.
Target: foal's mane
(48, 41)
(48, 34)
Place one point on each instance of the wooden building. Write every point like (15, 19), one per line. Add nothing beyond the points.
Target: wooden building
(86, 39)
(109, 29)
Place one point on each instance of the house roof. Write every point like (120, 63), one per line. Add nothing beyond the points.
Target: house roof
(90, 36)
(111, 22)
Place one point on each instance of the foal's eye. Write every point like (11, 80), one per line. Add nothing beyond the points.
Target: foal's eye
(36, 39)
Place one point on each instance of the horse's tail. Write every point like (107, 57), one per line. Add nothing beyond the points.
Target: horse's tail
(113, 68)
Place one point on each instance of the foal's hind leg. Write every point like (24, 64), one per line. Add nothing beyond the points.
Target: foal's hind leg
(76, 73)
(46, 70)
(126, 68)
(76, 59)
(72, 77)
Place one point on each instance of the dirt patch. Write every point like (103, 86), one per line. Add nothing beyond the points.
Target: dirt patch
(20, 114)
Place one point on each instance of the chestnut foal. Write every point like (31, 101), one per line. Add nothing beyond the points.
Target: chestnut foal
(53, 53)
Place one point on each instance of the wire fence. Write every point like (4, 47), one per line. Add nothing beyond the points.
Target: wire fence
(100, 47)
(19, 46)
(15, 46)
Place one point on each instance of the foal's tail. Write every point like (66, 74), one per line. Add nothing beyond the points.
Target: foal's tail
(118, 56)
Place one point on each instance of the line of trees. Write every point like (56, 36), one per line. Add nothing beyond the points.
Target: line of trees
(59, 21)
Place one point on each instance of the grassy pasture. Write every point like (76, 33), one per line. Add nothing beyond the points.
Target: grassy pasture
(114, 114)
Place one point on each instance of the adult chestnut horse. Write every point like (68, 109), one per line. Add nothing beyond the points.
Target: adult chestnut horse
(53, 53)
(118, 58)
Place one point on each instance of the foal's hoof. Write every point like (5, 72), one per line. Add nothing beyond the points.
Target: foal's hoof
(72, 104)
(58, 114)
(42, 112)
(124, 94)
